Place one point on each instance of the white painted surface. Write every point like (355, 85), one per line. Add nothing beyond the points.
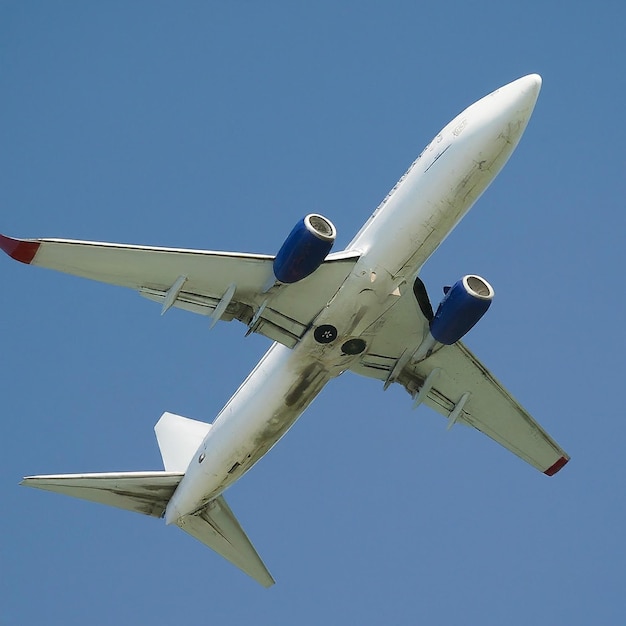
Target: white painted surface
(439, 188)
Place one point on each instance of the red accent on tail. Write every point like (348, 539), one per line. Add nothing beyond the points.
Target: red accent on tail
(18, 249)
(551, 471)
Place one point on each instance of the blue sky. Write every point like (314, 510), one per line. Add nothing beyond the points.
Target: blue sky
(218, 125)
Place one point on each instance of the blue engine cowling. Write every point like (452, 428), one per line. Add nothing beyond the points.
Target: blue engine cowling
(463, 305)
(304, 250)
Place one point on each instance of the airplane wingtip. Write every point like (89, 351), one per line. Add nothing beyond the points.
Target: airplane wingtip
(553, 469)
(21, 250)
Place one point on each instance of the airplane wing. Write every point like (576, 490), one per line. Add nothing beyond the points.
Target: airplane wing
(456, 384)
(221, 285)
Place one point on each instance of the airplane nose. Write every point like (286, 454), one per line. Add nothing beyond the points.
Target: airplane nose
(531, 82)
(530, 86)
(504, 112)
(520, 95)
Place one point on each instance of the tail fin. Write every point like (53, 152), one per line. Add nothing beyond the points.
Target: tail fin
(141, 492)
(149, 492)
(179, 438)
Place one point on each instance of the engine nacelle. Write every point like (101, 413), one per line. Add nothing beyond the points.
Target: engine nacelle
(304, 250)
(463, 305)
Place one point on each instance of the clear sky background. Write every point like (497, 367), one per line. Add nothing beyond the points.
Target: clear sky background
(218, 125)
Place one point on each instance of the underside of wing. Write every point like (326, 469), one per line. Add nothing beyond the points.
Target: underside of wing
(222, 285)
(456, 384)
(464, 390)
(141, 492)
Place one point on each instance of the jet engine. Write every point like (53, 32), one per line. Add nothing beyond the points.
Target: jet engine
(304, 249)
(463, 305)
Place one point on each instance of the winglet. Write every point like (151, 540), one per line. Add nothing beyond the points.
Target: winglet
(19, 249)
(553, 469)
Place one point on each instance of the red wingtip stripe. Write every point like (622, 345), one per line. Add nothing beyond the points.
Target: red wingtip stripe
(18, 249)
(551, 471)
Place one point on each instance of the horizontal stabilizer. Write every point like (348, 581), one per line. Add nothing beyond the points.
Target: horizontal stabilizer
(141, 492)
(217, 527)
(179, 438)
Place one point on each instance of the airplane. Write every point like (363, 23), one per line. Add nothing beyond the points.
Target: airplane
(363, 309)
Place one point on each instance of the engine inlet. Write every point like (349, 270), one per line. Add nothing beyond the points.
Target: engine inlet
(478, 286)
(320, 226)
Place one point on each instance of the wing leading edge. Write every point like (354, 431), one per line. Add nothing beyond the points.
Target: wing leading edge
(221, 285)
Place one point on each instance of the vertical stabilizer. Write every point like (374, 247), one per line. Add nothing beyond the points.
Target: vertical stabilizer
(179, 438)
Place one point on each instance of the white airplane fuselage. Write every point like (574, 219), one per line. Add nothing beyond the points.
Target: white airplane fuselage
(417, 215)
